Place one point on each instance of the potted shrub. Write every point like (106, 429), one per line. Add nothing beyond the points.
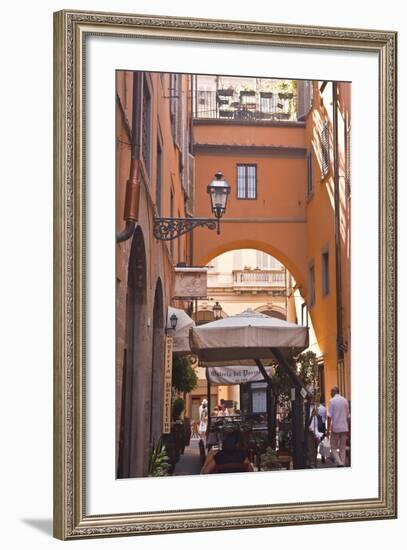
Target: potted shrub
(269, 460)
(178, 429)
(159, 461)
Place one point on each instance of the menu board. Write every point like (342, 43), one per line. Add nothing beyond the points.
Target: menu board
(167, 385)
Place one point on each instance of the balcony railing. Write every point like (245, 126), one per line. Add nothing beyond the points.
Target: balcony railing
(244, 106)
(258, 278)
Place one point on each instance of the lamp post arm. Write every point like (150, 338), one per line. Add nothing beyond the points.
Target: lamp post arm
(167, 229)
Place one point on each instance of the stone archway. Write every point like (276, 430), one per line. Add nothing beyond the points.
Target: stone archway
(203, 255)
(273, 311)
(130, 460)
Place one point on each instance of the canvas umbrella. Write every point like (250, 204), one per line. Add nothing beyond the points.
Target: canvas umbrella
(253, 335)
(247, 335)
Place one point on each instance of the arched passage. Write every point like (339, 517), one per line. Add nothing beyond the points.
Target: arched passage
(204, 255)
(273, 311)
(250, 279)
(130, 462)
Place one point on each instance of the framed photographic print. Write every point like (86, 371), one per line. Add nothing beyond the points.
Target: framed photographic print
(225, 275)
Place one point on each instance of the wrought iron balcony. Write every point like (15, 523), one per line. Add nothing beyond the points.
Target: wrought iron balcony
(244, 106)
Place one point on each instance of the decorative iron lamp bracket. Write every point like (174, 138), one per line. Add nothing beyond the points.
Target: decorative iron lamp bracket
(167, 229)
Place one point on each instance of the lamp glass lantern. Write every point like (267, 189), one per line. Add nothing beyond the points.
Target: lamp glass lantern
(217, 311)
(218, 191)
(173, 321)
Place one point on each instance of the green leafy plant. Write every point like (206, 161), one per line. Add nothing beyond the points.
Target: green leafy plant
(184, 377)
(269, 460)
(177, 407)
(159, 462)
(307, 368)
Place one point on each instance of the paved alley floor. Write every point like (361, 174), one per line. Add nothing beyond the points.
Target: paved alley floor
(190, 462)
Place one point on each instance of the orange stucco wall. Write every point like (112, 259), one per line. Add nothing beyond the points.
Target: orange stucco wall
(285, 221)
(321, 233)
(159, 256)
(275, 221)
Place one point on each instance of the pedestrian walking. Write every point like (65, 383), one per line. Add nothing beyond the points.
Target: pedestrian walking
(203, 421)
(338, 425)
(322, 425)
(313, 436)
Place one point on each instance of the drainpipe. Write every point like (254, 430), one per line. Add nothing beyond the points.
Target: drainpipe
(132, 199)
(339, 324)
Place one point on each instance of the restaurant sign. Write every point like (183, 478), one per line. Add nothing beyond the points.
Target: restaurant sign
(237, 374)
(190, 282)
(167, 385)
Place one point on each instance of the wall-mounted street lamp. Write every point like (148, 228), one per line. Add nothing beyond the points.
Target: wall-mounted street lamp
(217, 311)
(173, 324)
(166, 229)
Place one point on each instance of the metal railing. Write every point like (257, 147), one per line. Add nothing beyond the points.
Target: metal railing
(244, 106)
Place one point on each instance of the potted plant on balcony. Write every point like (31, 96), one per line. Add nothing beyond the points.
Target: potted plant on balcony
(226, 91)
(285, 95)
(247, 93)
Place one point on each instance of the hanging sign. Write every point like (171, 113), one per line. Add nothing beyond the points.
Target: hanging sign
(190, 282)
(167, 385)
(237, 374)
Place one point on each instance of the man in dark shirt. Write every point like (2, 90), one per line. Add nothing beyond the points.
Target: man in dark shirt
(229, 459)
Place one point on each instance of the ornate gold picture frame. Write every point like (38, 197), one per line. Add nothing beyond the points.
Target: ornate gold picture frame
(72, 520)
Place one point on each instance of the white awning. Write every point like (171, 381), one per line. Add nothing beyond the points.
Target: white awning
(181, 334)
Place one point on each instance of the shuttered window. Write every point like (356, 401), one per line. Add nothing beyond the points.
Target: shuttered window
(159, 178)
(304, 98)
(311, 285)
(347, 162)
(325, 272)
(174, 105)
(146, 130)
(246, 181)
(325, 149)
(310, 183)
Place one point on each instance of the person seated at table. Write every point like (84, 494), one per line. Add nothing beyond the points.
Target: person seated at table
(215, 411)
(229, 459)
(223, 411)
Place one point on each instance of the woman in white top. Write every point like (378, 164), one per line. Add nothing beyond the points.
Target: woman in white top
(203, 420)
